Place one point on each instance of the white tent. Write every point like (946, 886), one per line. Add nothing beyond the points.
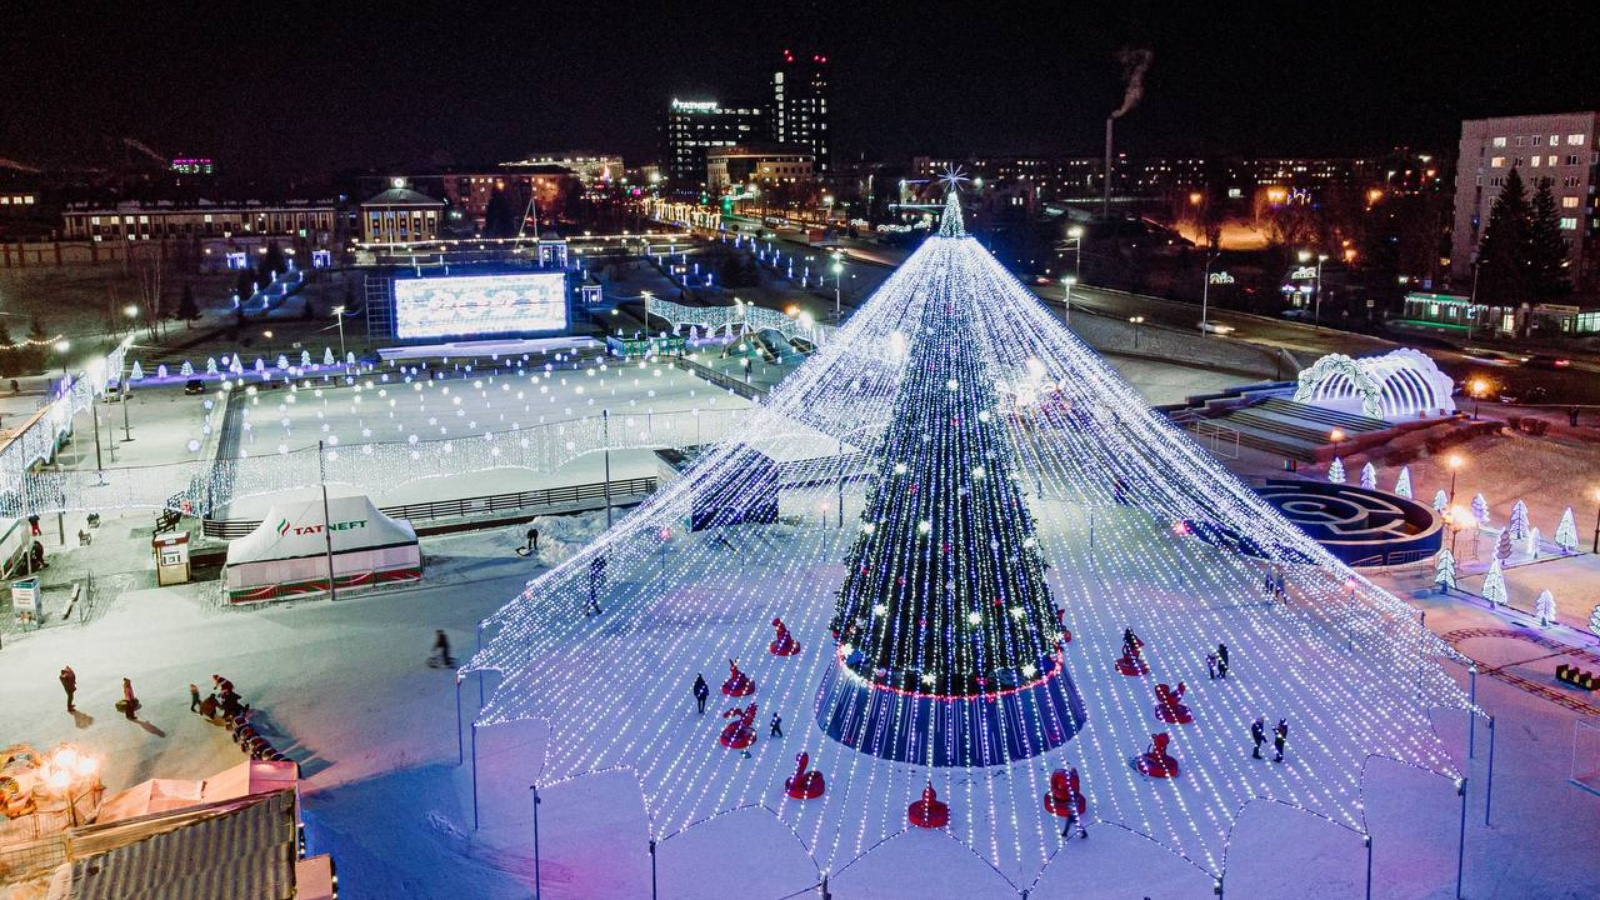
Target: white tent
(287, 555)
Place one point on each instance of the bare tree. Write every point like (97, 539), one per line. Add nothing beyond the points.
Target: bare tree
(149, 266)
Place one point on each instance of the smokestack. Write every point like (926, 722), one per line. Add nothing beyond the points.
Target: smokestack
(1105, 206)
(1135, 60)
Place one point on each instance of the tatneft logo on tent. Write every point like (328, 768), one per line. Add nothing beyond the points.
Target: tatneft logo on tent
(285, 527)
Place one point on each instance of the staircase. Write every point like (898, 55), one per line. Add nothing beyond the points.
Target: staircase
(1293, 430)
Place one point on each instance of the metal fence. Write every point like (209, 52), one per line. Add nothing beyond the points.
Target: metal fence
(469, 507)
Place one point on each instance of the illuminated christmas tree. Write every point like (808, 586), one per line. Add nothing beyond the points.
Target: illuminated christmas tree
(944, 598)
(1336, 471)
(1494, 584)
(1444, 570)
(1402, 487)
(1369, 477)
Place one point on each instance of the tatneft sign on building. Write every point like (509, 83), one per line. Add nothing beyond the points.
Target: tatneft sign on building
(1560, 148)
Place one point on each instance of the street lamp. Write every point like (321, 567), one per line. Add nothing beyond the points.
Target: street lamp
(1454, 463)
(838, 277)
(132, 312)
(1136, 321)
(1456, 518)
(1069, 281)
(1596, 548)
(1476, 387)
(1075, 237)
(62, 347)
(1305, 259)
(1336, 435)
(1205, 292)
(338, 314)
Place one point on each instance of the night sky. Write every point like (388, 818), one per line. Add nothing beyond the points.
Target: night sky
(285, 88)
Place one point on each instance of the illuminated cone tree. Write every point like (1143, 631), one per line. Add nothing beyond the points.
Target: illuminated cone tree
(948, 639)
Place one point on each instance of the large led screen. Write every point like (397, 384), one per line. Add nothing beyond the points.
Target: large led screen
(474, 305)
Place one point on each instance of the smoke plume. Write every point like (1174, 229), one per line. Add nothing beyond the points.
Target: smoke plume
(1135, 60)
(133, 144)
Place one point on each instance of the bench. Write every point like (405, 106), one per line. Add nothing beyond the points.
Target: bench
(168, 520)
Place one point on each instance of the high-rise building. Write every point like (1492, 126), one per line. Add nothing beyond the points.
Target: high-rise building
(1558, 147)
(800, 106)
(695, 125)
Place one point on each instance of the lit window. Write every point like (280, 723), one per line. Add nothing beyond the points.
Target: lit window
(1569, 223)
(1499, 142)
(1569, 202)
(1575, 140)
(1497, 162)
(1552, 160)
(1534, 161)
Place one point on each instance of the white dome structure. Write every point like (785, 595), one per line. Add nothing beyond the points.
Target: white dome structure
(1397, 385)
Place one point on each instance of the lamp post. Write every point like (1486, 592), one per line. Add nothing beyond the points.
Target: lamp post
(838, 278)
(338, 314)
(1476, 388)
(1336, 436)
(62, 347)
(1316, 314)
(1069, 281)
(132, 313)
(1205, 292)
(1136, 321)
(1596, 547)
(1456, 518)
(1075, 237)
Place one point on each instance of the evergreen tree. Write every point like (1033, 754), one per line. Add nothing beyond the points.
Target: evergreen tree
(1502, 547)
(1567, 533)
(327, 356)
(1494, 584)
(1545, 609)
(1444, 570)
(187, 310)
(305, 359)
(1503, 277)
(1547, 249)
(1480, 509)
(1441, 502)
(137, 372)
(1369, 477)
(211, 365)
(10, 360)
(1336, 471)
(1519, 520)
(1594, 620)
(1532, 546)
(1402, 487)
(244, 285)
(187, 370)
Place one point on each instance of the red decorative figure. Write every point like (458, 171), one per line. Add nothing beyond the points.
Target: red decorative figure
(738, 733)
(1169, 705)
(784, 644)
(929, 812)
(1155, 762)
(1064, 798)
(803, 785)
(738, 684)
(1131, 663)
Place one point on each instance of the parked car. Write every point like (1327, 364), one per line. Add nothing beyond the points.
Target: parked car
(1298, 315)
(1542, 361)
(194, 386)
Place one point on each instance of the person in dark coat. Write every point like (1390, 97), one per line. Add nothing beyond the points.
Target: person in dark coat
(194, 698)
(597, 583)
(533, 540)
(33, 523)
(701, 692)
(208, 707)
(69, 683)
(777, 726)
(130, 703)
(1258, 735)
(1280, 736)
(1222, 660)
(441, 645)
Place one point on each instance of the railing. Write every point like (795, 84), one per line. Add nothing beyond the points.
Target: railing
(626, 489)
(743, 389)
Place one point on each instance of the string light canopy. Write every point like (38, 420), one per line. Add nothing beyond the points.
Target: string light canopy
(955, 445)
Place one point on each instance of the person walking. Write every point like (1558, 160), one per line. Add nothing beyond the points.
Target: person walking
(533, 541)
(1280, 736)
(194, 698)
(597, 583)
(441, 646)
(69, 683)
(1222, 660)
(701, 692)
(33, 523)
(130, 703)
(1258, 735)
(777, 727)
(1211, 666)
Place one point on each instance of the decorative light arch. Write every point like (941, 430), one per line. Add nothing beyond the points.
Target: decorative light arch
(1396, 385)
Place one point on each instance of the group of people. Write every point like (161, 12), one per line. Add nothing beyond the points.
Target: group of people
(128, 705)
(1258, 736)
(223, 703)
(1217, 663)
(1274, 584)
(702, 693)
